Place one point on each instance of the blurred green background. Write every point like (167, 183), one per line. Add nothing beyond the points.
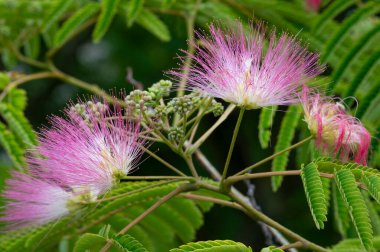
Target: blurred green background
(105, 64)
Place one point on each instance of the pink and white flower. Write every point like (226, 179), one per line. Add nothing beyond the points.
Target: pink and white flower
(237, 66)
(336, 132)
(34, 201)
(92, 148)
(313, 5)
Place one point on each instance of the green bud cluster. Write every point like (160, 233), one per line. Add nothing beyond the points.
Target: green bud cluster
(138, 99)
(183, 104)
(176, 134)
(84, 110)
(160, 89)
(217, 108)
(149, 101)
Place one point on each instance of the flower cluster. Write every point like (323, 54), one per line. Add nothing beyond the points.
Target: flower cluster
(336, 132)
(80, 157)
(238, 67)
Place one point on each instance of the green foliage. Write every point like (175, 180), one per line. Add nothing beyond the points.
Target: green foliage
(315, 194)
(369, 9)
(133, 10)
(265, 125)
(360, 75)
(157, 232)
(326, 184)
(284, 139)
(271, 249)
(211, 246)
(17, 99)
(372, 182)
(14, 151)
(55, 12)
(341, 215)
(73, 24)
(354, 245)
(123, 243)
(329, 165)
(108, 11)
(369, 99)
(152, 23)
(372, 211)
(19, 125)
(356, 205)
(32, 47)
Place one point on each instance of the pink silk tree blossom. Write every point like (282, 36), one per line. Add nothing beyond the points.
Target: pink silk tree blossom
(336, 131)
(239, 67)
(313, 5)
(92, 148)
(33, 201)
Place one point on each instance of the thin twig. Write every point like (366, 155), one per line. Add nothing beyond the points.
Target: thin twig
(27, 78)
(171, 167)
(255, 214)
(203, 138)
(190, 20)
(217, 176)
(213, 200)
(292, 245)
(136, 191)
(129, 78)
(255, 165)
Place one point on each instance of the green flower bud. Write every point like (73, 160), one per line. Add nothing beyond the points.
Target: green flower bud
(176, 134)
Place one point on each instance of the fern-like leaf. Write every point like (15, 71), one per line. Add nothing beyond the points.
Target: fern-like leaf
(373, 214)
(314, 193)
(71, 25)
(284, 139)
(17, 99)
(367, 10)
(265, 125)
(326, 184)
(372, 183)
(133, 10)
(153, 24)
(108, 11)
(364, 70)
(14, 151)
(368, 99)
(354, 245)
(18, 123)
(356, 206)
(55, 12)
(341, 215)
(210, 246)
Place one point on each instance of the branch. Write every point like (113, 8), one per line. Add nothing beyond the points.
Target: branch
(213, 200)
(234, 179)
(28, 60)
(164, 162)
(255, 214)
(217, 176)
(27, 78)
(136, 191)
(203, 138)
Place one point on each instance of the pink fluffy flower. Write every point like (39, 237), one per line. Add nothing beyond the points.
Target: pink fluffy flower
(237, 66)
(313, 5)
(91, 148)
(33, 201)
(335, 130)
